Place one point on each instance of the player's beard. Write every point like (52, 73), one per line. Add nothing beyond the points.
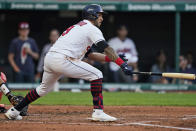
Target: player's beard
(97, 24)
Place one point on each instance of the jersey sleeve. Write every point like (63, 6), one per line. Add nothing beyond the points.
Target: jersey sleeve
(95, 35)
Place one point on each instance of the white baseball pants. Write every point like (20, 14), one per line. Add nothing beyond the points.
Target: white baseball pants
(56, 65)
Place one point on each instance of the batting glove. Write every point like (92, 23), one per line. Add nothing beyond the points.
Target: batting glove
(126, 69)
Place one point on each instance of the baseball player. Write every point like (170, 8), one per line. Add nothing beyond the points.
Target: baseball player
(65, 58)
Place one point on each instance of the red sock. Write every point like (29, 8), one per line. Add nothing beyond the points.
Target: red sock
(30, 97)
(96, 91)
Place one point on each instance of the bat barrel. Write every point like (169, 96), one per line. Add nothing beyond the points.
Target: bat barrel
(179, 75)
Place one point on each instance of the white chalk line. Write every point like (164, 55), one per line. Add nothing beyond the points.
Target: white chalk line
(90, 124)
(189, 117)
(162, 126)
(141, 123)
(113, 124)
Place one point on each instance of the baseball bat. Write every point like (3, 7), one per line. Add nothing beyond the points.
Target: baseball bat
(169, 75)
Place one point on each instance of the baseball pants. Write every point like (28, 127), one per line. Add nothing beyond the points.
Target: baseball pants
(56, 65)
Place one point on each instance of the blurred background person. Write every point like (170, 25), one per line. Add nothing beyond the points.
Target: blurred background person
(53, 36)
(160, 66)
(22, 51)
(190, 58)
(185, 69)
(123, 45)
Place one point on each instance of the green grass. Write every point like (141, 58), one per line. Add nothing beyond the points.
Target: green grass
(115, 98)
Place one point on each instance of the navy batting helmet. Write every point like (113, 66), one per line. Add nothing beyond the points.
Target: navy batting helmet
(90, 12)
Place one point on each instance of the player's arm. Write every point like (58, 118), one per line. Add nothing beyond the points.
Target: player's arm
(111, 55)
(102, 46)
(12, 62)
(100, 57)
(97, 57)
(35, 55)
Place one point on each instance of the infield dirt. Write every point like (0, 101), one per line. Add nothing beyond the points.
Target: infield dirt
(130, 118)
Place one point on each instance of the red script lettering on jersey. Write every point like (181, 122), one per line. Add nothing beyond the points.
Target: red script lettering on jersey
(68, 29)
(81, 23)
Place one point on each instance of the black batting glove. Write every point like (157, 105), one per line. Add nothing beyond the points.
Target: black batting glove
(123, 57)
(126, 69)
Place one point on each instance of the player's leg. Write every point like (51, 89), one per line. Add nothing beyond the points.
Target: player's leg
(7, 92)
(80, 69)
(48, 81)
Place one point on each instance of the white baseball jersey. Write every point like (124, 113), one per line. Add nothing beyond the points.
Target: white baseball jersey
(73, 43)
(127, 47)
(77, 39)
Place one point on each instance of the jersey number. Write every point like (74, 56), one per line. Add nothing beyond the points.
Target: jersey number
(68, 29)
(81, 23)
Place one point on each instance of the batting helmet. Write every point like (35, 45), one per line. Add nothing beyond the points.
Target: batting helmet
(90, 12)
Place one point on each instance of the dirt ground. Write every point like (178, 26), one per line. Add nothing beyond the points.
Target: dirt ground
(130, 118)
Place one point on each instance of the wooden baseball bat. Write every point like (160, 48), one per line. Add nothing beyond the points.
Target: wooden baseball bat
(169, 75)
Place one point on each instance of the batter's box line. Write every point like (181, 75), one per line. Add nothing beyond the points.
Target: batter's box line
(145, 122)
(123, 124)
(162, 126)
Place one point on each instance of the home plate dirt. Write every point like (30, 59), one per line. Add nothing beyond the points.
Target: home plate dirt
(77, 118)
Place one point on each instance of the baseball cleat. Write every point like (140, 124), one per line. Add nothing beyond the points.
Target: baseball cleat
(99, 115)
(13, 114)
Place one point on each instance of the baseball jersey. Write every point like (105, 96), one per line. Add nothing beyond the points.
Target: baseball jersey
(78, 39)
(22, 59)
(127, 47)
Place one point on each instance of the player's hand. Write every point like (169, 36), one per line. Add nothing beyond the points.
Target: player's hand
(28, 50)
(17, 70)
(123, 57)
(126, 69)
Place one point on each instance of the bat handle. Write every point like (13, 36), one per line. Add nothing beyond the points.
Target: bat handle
(147, 73)
(156, 73)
